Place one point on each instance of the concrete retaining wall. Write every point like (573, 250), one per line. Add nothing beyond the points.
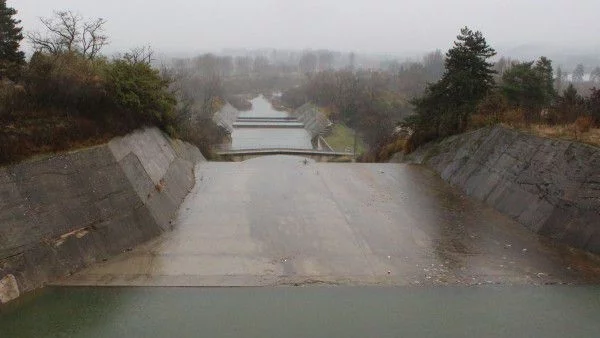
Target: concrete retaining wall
(60, 214)
(226, 117)
(550, 186)
(315, 122)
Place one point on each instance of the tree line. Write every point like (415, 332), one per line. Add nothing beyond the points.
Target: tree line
(371, 101)
(474, 92)
(69, 95)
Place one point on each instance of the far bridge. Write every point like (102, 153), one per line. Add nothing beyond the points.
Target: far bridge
(264, 131)
(239, 155)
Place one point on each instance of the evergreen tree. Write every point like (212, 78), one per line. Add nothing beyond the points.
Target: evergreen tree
(524, 88)
(544, 69)
(11, 59)
(447, 105)
(578, 73)
(571, 104)
(594, 104)
(530, 87)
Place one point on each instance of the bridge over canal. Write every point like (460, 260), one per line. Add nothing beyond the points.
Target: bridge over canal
(264, 131)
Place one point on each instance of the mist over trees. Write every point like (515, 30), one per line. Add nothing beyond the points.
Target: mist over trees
(70, 84)
(578, 73)
(473, 92)
(371, 101)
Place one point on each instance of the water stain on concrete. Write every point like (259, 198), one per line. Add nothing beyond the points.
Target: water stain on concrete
(277, 221)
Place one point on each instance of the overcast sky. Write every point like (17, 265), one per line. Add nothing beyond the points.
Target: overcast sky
(372, 26)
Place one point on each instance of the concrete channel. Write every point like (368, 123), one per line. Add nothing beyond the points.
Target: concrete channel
(280, 220)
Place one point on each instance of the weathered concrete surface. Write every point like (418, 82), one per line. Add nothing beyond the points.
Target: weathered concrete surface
(278, 220)
(550, 186)
(63, 213)
(315, 122)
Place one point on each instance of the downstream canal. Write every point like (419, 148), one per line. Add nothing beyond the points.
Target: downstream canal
(266, 128)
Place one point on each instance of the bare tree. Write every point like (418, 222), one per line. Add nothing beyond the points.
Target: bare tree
(434, 65)
(67, 32)
(308, 63)
(137, 55)
(94, 39)
(325, 60)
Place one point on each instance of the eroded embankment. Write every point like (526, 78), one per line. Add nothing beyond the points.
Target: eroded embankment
(60, 214)
(550, 186)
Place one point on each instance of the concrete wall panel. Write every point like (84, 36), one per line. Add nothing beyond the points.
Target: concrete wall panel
(60, 214)
(550, 186)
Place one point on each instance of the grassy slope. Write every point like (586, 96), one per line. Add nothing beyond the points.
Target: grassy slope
(591, 137)
(342, 139)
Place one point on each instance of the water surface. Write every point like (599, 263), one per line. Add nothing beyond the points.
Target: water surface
(522, 311)
(261, 107)
(268, 135)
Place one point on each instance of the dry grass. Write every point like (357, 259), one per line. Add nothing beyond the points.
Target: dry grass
(40, 134)
(571, 132)
(392, 148)
(342, 139)
(581, 130)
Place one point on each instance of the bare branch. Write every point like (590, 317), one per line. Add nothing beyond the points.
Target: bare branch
(140, 55)
(43, 44)
(93, 38)
(68, 32)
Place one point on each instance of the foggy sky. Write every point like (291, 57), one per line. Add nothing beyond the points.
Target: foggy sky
(370, 26)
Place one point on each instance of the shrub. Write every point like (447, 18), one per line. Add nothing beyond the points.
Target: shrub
(489, 111)
(12, 97)
(67, 101)
(396, 146)
(583, 124)
(594, 105)
(203, 133)
(141, 94)
(240, 102)
(492, 106)
(67, 81)
(514, 117)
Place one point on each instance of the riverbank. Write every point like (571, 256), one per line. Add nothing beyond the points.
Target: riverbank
(551, 186)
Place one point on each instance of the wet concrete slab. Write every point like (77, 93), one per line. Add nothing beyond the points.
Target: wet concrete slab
(279, 220)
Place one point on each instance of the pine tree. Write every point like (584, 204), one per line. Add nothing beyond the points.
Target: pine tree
(544, 68)
(447, 105)
(11, 58)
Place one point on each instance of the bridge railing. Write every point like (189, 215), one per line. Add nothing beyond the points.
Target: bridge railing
(228, 147)
(290, 151)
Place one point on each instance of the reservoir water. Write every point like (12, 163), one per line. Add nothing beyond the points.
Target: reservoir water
(517, 311)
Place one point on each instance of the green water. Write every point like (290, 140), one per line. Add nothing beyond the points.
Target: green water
(307, 312)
